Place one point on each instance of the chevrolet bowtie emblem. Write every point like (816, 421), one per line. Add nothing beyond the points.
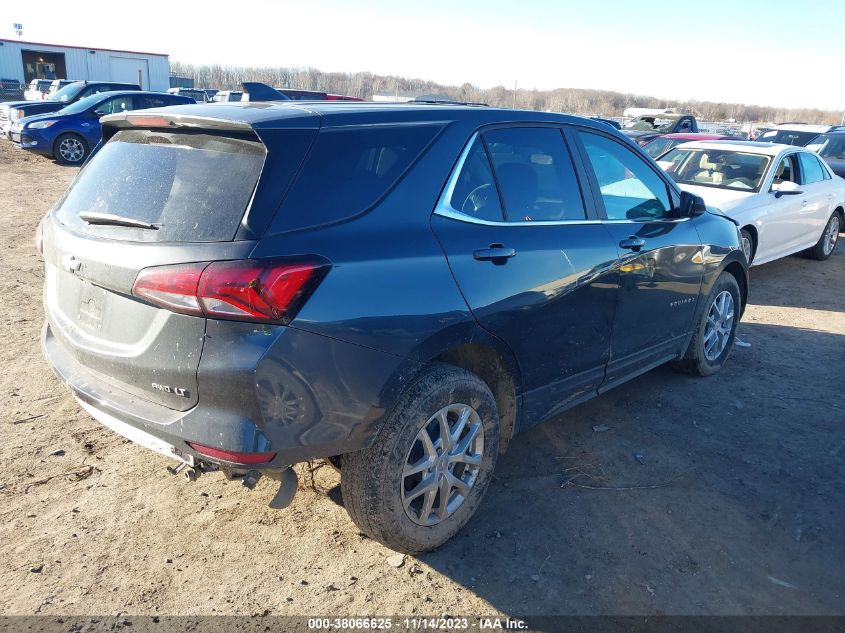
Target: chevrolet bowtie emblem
(71, 264)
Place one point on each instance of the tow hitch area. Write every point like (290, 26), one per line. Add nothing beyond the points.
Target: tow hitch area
(249, 478)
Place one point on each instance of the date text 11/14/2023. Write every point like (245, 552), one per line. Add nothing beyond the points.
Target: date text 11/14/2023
(418, 624)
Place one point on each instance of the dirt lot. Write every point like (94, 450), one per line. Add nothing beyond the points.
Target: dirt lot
(737, 504)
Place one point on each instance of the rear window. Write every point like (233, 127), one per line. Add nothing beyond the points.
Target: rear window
(348, 171)
(788, 137)
(193, 187)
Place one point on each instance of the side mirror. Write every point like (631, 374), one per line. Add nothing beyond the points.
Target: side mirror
(692, 206)
(786, 188)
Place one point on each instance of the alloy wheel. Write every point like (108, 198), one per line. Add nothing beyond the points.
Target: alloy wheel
(719, 325)
(442, 464)
(71, 150)
(831, 235)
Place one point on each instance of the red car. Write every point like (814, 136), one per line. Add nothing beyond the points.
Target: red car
(662, 144)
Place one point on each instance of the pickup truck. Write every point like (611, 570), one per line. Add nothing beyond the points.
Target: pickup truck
(648, 127)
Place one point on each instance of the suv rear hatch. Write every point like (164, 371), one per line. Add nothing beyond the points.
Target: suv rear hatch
(148, 197)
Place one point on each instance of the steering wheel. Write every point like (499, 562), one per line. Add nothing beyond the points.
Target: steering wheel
(477, 198)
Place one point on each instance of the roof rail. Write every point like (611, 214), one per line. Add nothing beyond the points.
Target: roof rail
(447, 102)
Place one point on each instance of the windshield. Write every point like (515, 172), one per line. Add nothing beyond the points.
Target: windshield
(68, 93)
(831, 146)
(661, 124)
(724, 169)
(788, 137)
(81, 105)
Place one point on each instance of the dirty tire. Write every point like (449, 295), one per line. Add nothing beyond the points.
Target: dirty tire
(70, 149)
(695, 361)
(827, 242)
(371, 479)
(747, 245)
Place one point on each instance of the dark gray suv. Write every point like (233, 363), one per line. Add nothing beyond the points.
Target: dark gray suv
(397, 288)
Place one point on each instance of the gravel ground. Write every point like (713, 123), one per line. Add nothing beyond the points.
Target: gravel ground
(702, 496)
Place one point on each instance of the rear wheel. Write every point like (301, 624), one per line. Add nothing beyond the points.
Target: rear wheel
(70, 149)
(827, 242)
(714, 336)
(426, 472)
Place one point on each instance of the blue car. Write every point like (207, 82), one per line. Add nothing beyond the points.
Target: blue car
(70, 134)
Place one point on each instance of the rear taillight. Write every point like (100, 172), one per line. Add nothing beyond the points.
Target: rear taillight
(232, 456)
(245, 290)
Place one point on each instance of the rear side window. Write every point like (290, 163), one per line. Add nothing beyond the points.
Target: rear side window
(193, 187)
(348, 171)
(157, 101)
(535, 174)
(811, 169)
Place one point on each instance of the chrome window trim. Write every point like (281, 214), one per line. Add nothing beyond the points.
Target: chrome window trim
(446, 210)
(652, 221)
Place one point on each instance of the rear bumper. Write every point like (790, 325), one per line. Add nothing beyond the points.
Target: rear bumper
(135, 434)
(297, 394)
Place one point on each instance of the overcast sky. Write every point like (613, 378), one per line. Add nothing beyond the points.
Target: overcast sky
(775, 52)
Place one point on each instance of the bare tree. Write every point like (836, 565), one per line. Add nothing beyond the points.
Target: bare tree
(573, 100)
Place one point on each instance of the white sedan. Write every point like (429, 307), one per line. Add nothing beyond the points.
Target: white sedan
(784, 198)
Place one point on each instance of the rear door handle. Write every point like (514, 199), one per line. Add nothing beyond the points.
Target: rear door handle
(495, 253)
(632, 243)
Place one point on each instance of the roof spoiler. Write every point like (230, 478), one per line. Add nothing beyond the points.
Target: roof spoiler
(257, 91)
(112, 123)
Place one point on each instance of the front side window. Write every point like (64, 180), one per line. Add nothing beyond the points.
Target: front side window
(787, 170)
(115, 105)
(535, 174)
(811, 169)
(629, 188)
(474, 191)
(724, 169)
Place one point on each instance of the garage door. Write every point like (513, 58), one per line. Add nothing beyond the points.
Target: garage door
(129, 70)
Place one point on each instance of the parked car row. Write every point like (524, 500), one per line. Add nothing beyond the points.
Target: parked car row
(66, 126)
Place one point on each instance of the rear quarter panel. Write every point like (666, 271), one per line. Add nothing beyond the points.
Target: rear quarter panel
(390, 288)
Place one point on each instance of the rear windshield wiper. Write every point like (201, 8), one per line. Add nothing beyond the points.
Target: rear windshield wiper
(92, 217)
